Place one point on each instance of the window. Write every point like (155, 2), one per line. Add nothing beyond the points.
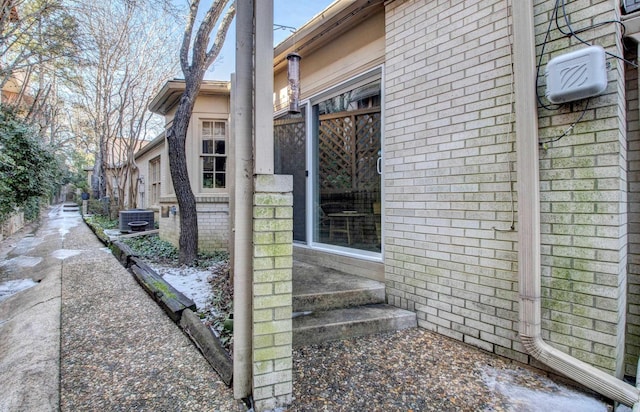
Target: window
(214, 154)
(154, 181)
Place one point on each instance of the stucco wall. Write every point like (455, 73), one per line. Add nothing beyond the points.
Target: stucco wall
(351, 54)
(450, 176)
(142, 161)
(215, 107)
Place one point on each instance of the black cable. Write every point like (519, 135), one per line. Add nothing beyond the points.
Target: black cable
(569, 129)
(570, 33)
(573, 33)
(544, 43)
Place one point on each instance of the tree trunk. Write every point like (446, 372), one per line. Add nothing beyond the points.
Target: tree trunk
(176, 137)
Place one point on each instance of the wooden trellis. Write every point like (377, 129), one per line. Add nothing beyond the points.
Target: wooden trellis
(349, 144)
(289, 137)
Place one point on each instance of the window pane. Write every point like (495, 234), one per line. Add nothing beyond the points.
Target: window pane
(220, 147)
(221, 164)
(207, 180)
(220, 129)
(221, 180)
(207, 164)
(207, 128)
(207, 146)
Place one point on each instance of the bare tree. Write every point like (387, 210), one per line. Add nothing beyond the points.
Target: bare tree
(128, 55)
(196, 54)
(34, 32)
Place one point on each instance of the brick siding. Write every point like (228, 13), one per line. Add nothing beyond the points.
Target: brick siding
(450, 178)
(213, 223)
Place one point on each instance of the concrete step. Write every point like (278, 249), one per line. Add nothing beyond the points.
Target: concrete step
(317, 288)
(337, 324)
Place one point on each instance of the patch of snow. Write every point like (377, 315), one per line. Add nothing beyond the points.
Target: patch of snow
(547, 396)
(63, 221)
(22, 261)
(623, 408)
(26, 245)
(65, 253)
(191, 282)
(11, 287)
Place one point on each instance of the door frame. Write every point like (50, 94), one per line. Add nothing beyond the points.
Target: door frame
(376, 73)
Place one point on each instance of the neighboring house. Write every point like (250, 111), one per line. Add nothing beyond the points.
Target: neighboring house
(118, 171)
(12, 90)
(208, 142)
(406, 170)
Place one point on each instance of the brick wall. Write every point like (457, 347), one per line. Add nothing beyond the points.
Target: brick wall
(633, 135)
(272, 291)
(583, 203)
(450, 176)
(213, 222)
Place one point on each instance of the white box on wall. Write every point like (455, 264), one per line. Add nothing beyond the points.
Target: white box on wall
(576, 75)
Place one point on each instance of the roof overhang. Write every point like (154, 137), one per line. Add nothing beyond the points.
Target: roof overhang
(150, 146)
(168, 96)
(340, 17)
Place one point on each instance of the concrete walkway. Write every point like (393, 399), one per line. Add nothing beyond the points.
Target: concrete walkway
(86, 337)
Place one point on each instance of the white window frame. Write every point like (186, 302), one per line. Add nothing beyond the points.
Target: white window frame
(155, 180)
(215, 138)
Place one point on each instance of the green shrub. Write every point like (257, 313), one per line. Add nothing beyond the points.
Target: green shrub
(27, 168)
(103, 222)
(152, 247)
(32, 209)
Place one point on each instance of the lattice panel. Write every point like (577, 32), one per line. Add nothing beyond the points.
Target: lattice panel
(348, 149)
(289, 136)
(367, 148)
(336, 154)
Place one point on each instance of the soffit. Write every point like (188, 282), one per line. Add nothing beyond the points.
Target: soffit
(340, 17)
(172, 90)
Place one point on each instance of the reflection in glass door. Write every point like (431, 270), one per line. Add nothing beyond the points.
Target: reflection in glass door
(290, 154)
(347, 185)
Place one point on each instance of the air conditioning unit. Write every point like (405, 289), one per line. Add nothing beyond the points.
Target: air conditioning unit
(629, 6)
(576, 75)
(135, 215)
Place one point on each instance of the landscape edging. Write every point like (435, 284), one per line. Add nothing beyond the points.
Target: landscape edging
(204, 339)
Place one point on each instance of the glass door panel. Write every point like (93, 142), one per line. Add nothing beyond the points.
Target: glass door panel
(347, 186)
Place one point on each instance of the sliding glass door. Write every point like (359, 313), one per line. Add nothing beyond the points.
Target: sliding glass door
(347, 195)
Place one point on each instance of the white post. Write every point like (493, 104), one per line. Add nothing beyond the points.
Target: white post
(263, 114)
(242, 202)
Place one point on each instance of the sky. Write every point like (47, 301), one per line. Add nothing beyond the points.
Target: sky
(292, 13)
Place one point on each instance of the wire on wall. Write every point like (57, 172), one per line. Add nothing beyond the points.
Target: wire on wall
(509, 134)
(569, 31)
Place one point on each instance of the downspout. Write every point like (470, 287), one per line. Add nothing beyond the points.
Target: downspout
(529, 216)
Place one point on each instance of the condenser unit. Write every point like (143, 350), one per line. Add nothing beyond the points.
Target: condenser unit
(136, 215)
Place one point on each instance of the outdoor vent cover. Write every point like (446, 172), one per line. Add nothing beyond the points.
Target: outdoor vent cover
(576, 75)
(630, 6)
